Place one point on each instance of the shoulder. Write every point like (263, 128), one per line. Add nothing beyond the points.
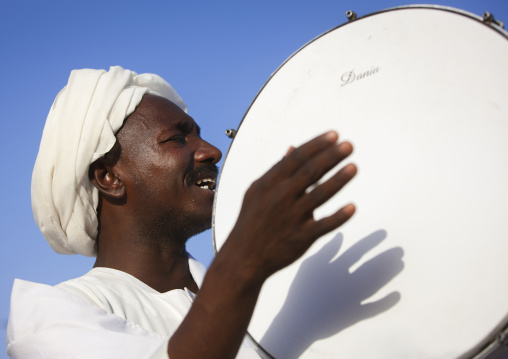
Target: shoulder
(42, 315)
(35, 305)
(96, 286)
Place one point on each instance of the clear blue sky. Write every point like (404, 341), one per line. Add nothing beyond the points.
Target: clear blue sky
(217, 54)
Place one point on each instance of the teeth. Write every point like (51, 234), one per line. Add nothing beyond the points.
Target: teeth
(208, 183)
(198, 182)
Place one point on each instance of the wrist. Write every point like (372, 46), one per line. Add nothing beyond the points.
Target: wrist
(239, 268)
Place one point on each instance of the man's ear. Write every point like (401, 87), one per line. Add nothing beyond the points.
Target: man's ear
(105, 178)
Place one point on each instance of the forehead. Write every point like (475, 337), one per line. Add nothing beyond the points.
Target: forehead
(153, 115)
(155, 111)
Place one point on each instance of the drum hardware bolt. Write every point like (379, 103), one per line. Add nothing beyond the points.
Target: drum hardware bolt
(502, 339)
(231, 133)
(488, 19)
(351, 15)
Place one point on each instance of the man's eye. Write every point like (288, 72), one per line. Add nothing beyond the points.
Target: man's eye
(176, 138)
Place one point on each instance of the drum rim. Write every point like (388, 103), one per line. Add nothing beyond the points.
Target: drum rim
(499, 335)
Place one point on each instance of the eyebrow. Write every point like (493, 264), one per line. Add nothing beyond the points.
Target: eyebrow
(188, 126)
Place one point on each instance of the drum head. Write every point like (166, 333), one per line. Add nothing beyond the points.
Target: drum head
(421, 270)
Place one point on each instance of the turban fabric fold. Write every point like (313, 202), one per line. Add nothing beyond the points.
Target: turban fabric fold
(81, 128)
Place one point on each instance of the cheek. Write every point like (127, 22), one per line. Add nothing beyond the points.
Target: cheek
(159, 170)
(167, 179)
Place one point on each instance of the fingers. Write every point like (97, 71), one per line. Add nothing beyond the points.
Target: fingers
(321, 163)
(278, 207)
(290, 149)
(321, 227)
(294, 159)
(328, 189)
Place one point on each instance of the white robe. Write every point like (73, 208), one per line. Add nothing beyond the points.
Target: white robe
(104, 314)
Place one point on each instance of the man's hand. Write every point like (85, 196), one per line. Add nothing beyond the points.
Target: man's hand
(276, 226)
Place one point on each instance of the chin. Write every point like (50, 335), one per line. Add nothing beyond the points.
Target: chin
(173, 228)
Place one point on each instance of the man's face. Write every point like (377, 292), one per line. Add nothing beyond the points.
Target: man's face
(169, 171)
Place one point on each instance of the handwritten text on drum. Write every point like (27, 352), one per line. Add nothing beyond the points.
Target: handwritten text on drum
(351, 76)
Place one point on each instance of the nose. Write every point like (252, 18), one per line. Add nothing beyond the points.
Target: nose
(207, 153)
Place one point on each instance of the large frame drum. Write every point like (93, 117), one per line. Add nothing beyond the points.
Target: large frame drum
(421, 271)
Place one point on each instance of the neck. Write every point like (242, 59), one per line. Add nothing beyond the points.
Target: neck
(161, 265)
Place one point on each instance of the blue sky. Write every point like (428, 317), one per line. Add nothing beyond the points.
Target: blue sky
(216, 54)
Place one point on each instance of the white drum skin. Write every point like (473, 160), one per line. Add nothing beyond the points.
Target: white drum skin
(420, 271)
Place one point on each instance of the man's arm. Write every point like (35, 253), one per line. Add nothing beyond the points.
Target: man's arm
(275, 227)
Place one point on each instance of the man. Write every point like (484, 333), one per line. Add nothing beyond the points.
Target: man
(122, 171)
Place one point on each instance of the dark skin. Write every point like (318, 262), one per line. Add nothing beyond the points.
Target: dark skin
(150, 205)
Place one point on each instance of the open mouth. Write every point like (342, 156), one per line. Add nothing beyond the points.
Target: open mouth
(206, 183)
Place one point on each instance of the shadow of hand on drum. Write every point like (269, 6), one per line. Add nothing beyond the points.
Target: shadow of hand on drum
(326, 298)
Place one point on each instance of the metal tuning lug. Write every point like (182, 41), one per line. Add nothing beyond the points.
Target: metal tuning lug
(351, 15)
(231, 133)
(488, 18)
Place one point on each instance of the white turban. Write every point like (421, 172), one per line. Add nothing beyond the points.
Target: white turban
(81, 128)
